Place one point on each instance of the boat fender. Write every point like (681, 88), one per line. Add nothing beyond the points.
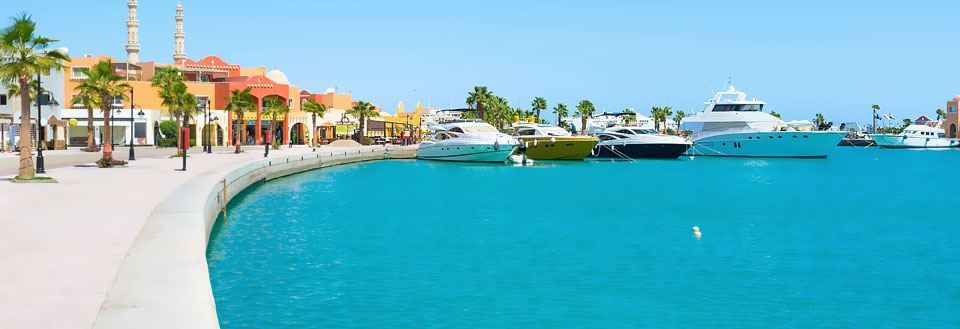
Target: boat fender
(496, 145)
(534, 142)
(696, 232)
(553, 139)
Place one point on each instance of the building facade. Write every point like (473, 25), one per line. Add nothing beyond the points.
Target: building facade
(952, 122)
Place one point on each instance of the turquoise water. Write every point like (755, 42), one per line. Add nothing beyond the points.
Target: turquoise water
(866, 238)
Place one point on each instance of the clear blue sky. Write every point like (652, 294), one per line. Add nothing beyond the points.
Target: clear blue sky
(803, 57)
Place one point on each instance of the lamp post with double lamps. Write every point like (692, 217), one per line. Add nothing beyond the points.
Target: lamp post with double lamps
(39, 167)
(133, 131)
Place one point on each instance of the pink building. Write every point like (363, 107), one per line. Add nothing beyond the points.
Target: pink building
(952, 122)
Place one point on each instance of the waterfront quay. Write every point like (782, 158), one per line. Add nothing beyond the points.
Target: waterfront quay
(65, 243)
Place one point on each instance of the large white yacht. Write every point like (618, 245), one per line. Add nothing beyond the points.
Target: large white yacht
(916, 136)
(731, 125)
(467, 141)
(635, 142)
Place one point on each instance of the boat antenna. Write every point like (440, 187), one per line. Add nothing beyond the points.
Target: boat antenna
(709, 87)
(729, 81)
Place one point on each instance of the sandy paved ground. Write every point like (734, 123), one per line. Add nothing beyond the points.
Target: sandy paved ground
(62, 244)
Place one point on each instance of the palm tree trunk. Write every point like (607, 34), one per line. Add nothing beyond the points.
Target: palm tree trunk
(583, 123)
(91, 143)
(186, 124)
(313, 139)
(107, 134)
(26, 158)
(237, 134)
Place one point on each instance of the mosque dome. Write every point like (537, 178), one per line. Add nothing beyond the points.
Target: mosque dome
(278, 77)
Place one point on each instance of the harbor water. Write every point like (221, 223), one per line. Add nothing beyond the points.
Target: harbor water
(865, 238)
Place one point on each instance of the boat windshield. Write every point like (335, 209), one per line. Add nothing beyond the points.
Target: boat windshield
(738, 108)
(645, 132)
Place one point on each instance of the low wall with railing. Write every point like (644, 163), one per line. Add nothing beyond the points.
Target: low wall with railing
(164, 281)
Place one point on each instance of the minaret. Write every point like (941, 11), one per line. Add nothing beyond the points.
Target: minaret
(178, 52)
(133, 34)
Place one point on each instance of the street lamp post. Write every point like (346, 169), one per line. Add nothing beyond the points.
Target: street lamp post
(133, 131)
(39, 167)
(207, 143)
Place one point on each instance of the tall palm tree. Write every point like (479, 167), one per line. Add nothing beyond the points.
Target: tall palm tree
(276, 107)
(103, 84)
(679, 117)
(941, 114)
(875, 107)
(362, 111)
(585, 109)
(538, 104)
(314, 109)
(478, 99)
(561, 111)
(23, 56)
(239, 102)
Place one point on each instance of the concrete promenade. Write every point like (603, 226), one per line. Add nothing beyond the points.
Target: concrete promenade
(63, 245)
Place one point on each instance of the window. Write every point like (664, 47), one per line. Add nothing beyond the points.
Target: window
(116, 102)
(527, 132)
(738, 108)
(3, 99)
(605, 137)
(625, 131)
(78, 73)
(140, 130)
(456, 130)
(951, 109)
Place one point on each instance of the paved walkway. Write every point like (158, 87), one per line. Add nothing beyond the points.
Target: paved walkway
(61, 245)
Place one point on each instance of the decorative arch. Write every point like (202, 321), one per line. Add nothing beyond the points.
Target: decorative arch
(953, 130)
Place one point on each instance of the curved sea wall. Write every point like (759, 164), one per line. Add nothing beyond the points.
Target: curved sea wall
(163, 281)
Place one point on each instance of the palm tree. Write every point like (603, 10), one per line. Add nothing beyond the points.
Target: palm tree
(538, 104)
(941, 114)
(239, 102)
(561, 111)
(275, 107)
(24, 55)
(102, 85)
(314, 109)
(86, 101)
(630, 116)
(875, 107)
(585, 109)
(363, 110)
(660, 114)
(678, 118)
(819, 120)
(169, 82)
(775, 114)
(478, 99)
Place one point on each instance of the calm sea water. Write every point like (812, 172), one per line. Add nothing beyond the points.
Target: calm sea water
(866, 238)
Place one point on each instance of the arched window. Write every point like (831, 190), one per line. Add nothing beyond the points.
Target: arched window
(953, 130)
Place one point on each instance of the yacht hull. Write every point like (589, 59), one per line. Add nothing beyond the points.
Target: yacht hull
(558, 148)
(639, 150)
(781, 144)
(900, 141)
(489, 153)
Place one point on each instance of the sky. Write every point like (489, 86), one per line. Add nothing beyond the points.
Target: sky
(802, 57)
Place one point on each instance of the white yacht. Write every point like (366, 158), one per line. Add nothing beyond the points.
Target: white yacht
(467, 141)
(634, 142)
(731, 125)
(916, 136)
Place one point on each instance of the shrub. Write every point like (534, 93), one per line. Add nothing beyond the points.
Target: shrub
(168, 129)
(105, 164)
(366, 140)
(167, 142)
